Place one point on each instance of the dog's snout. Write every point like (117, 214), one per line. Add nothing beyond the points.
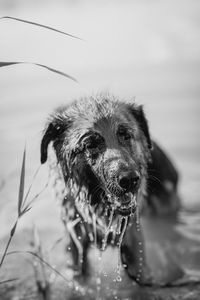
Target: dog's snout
(128, 180)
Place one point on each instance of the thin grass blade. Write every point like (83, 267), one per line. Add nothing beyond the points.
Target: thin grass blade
(27, 207)
(9, 63)
(48, 265)
(42, 260)
(55, 71)
(12, 232)
(32, 181)
(8, 280)
(21, 184)
(8, 243)
(56, 243)
(24, 210)
(41, 25)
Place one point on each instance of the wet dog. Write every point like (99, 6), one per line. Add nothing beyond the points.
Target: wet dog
(111, 172)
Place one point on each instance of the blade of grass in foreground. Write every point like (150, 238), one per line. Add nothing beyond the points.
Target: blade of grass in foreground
(29, 189)
(20, 201)
(12, 232)
(23, 205)
(8, 280)
(28, 206)
(21, 184)
(41, 25)
(9, 63)
(42, 260)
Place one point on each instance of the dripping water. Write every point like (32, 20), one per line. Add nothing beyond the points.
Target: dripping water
(108, 229)
(97, 269)
(140, 248)
(134, 205)
(123, 229)
(119, 225)
(137, 218)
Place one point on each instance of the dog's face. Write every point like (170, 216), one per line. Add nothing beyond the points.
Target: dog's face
(103, 145)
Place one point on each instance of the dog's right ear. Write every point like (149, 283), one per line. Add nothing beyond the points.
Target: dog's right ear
(55, 128)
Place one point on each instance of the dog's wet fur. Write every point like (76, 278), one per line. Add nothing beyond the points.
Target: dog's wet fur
(111, 170)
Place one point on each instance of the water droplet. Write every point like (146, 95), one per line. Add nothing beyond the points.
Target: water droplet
(125, 265)
(118, 278)
(138, 279)
(98, 280)
(140, 258)
(68, 248)
(106, 211)
(79, 237)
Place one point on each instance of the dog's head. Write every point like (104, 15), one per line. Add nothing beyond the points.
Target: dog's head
(103, 145)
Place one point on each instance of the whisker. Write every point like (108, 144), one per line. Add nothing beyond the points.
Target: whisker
(155, 178)
(96, 189)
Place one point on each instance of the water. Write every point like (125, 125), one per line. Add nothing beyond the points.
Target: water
(108, 228)
(123, 230)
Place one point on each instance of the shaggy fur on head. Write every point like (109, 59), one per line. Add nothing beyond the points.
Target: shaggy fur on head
(103, 149)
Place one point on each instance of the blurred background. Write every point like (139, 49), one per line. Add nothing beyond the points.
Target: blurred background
(147, 50)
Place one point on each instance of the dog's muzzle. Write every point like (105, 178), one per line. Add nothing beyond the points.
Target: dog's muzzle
(124, 205)
(121, 195)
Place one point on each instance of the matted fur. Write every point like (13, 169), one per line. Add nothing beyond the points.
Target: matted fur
(103, 151)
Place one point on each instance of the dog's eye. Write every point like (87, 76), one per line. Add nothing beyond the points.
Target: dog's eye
(124, 133)
(91, 145)
(93, 142)
(126, 136)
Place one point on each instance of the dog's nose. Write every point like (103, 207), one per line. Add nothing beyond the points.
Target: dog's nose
(128, 180)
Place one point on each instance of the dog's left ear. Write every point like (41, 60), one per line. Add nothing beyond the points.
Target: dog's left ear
(138, 113)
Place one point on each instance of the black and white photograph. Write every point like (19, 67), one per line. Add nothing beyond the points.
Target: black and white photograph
(100, 150)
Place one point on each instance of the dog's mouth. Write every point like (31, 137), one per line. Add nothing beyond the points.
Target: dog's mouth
(128, 205)
(124, 205)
